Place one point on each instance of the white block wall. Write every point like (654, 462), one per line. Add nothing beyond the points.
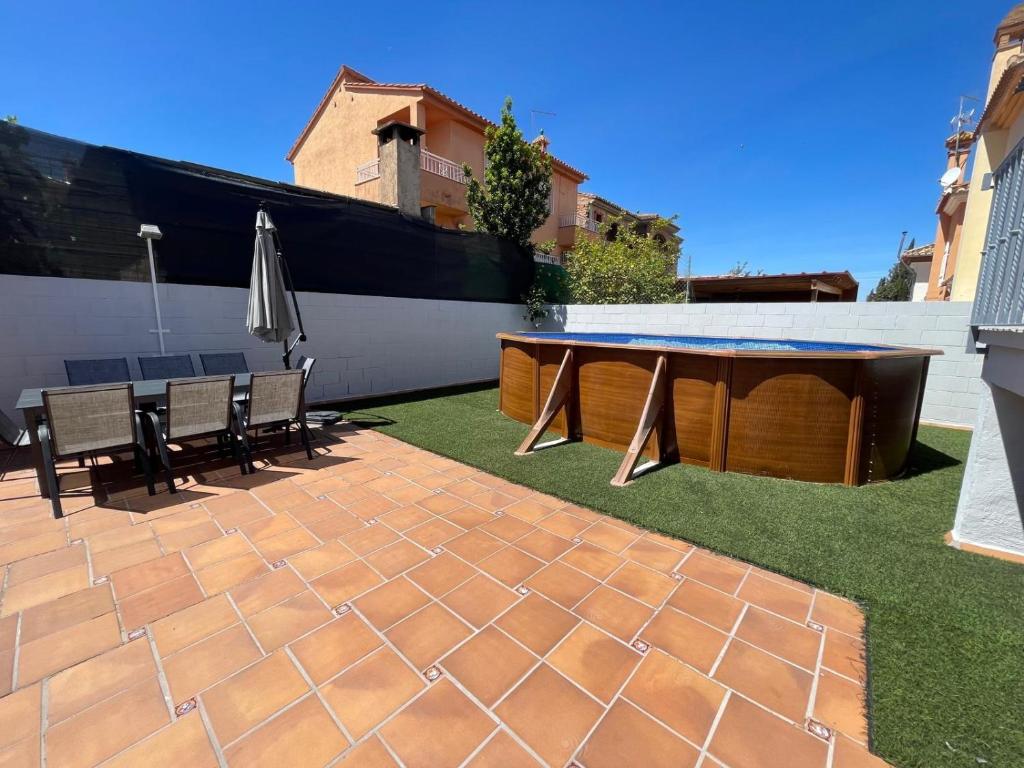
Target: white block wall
(991, 509)
(363, 344)
(376, 345)
(954, 379)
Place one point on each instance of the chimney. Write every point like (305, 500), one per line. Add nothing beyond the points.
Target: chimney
(542, 141)
(958, 147)
(398, 146)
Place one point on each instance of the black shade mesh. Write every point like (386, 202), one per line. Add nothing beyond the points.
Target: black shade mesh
(69, 209)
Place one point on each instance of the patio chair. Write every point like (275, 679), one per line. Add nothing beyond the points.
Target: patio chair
(220, 363)
(89, 420)
(88, 372)
(196, 407)
(275, 399)
(167, 367)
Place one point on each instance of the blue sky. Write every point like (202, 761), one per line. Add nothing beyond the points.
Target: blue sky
(794, 136)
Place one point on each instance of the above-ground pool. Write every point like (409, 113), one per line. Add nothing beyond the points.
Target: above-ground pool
(820, 411)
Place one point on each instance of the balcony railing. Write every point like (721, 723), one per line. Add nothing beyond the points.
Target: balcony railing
(368, 171)
(575, 220)
(429, 162)
(441, 167)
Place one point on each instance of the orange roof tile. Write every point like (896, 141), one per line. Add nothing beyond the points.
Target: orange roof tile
(921, 253)
(1007, 87)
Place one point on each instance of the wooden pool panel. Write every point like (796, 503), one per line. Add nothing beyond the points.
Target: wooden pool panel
(826, 417)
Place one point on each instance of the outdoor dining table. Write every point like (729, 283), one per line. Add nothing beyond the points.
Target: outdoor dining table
(30, 403)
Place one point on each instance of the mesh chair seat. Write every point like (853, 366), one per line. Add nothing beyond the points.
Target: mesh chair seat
(87, 372)
(220, 363)
(89, 419)
(196, 407)
(274, 398)
(167, 367)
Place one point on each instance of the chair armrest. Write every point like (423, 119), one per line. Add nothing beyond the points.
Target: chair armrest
(43, 433)
(236, 409)
(153, 421)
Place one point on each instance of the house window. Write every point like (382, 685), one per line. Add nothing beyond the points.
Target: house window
(598, 217)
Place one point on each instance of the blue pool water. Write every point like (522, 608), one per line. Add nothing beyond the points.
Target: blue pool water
(710, 342)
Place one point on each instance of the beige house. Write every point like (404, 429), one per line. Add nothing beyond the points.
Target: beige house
(338, 150)
(990, 513)
(998, 133)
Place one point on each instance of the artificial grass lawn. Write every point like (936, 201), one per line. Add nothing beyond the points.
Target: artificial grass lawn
(945, 628)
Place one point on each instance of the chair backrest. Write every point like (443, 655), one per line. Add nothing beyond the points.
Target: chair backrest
(88, 372)
(93, 418)
(167, 367)
(219, 363)
(305, 365)
(9, 431)
(274, 396)
(199, 406)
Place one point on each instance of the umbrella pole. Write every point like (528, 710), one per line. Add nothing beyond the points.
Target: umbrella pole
(287, 357)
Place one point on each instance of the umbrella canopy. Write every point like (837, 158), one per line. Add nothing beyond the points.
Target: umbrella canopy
(268, 318)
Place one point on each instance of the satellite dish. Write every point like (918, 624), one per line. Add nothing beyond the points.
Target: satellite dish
(949, 178)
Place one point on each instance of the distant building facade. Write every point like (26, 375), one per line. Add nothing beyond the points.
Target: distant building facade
(595, 214)
(920, 261)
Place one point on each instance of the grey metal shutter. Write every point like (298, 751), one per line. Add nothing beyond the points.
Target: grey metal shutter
(999, 299)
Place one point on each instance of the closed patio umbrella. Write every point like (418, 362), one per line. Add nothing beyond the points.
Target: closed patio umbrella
(268, 317)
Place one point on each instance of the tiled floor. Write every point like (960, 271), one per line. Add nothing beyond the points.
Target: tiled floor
(384, 606)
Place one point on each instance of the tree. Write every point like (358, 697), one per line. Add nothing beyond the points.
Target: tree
(630, 269)
(513, 199)
(898, 285)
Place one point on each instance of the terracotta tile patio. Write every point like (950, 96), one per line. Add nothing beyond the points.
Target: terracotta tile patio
(384, 606)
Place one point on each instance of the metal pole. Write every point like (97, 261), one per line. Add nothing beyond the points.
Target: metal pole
(156, 296)
(899, 248)
(286, 273)
(689, 276)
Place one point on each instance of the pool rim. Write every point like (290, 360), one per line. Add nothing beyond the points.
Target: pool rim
(888, 351)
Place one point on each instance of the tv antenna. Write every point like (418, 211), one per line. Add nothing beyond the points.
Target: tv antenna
(533, 115)
(963, 119)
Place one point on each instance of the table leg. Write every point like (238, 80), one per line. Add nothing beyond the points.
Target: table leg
(32, 416)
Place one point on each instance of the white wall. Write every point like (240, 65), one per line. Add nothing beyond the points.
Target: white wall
(922, 272)
(991, 509)
(363, 344)
(954, 383)
(375, 345)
